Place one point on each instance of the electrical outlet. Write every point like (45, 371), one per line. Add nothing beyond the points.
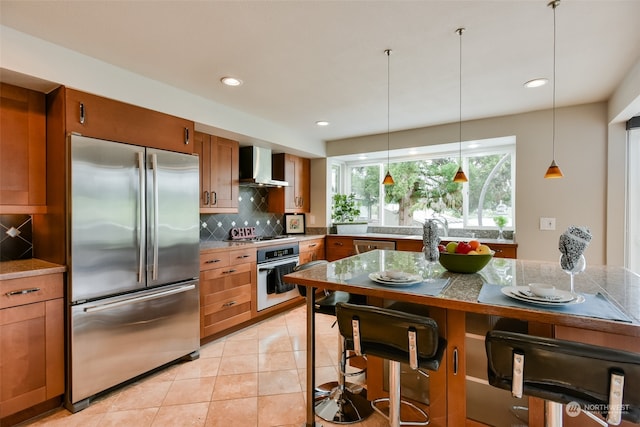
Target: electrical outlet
(547, 223)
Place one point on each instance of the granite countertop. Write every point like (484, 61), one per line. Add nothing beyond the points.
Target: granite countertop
(27, 268)
(617, 284)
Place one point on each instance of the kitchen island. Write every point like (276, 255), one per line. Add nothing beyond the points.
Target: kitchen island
(462, 299)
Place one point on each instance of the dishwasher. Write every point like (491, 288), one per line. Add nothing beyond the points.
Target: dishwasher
(366, 245)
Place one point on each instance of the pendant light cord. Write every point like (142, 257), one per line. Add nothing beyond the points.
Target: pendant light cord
(388, 52)
(554, 4)
(460, 31)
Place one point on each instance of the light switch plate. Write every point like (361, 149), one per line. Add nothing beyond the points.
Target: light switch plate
(547, 223)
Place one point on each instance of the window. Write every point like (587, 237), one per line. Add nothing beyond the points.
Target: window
(424, 186)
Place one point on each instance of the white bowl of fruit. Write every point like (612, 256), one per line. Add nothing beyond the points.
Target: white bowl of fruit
(465, 257)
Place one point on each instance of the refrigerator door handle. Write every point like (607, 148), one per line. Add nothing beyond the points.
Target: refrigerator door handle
(135, 300)
(142, 225)
(156, 239)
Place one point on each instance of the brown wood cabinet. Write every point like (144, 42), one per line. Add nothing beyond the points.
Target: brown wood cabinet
(296, 197)
(311, 250)
(227, 286)
(22, 150)
(337, 247)
(31, 342)
(219, 183)
(98, 117)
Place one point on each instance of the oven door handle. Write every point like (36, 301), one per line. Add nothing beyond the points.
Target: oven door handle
(266, 269)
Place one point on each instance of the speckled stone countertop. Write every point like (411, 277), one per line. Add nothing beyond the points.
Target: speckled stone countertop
(619, 286)
(224, 244)
(27, 268)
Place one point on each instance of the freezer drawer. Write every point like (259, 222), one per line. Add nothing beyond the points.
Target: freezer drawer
(116, 339)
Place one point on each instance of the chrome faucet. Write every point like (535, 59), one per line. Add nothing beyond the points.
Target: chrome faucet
(443, 223)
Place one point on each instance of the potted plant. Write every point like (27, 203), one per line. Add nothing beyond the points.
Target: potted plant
(344, 214)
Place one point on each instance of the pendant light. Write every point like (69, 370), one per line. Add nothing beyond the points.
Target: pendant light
(554, 170)
(460, 176)
(388, 179)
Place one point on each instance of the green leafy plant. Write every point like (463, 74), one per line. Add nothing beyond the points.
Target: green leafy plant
(345, 208)
(500, 221)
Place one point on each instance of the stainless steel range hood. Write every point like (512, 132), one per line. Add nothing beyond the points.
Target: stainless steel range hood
(255, 168)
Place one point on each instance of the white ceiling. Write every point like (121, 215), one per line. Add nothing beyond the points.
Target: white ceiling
(303, 61)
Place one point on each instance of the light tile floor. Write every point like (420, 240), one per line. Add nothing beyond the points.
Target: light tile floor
(254, 377)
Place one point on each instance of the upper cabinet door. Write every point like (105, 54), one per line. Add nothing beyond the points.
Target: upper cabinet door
(22, 150)
(219, 184)
(224, 179)
(98, 117)
(296, 197)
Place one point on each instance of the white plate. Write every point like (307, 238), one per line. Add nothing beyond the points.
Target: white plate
(383, 280)
(522, 293)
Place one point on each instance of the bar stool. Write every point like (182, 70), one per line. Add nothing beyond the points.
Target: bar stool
(598, 379)
(395, 335)
(339, 402)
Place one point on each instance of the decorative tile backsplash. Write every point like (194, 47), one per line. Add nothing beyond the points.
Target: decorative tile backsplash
(252, 208)
(16, 238)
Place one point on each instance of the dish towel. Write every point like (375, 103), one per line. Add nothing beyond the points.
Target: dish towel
(430, 240)
(572, 244)
(275, 284)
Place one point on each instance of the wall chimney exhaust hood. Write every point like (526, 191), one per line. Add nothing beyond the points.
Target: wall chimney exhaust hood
(255, 168)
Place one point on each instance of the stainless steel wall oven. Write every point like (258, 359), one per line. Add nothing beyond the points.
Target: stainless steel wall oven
(273, 263)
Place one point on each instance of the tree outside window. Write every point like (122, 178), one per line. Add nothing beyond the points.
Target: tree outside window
(424, 188)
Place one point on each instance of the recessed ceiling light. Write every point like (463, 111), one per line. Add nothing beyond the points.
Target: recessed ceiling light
(322, 123)
(231, 81)
(536, 83)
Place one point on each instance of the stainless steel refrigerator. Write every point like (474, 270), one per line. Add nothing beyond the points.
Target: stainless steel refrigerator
(133, 271)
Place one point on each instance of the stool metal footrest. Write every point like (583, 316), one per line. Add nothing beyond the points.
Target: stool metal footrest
(426, 421)
(344, 407)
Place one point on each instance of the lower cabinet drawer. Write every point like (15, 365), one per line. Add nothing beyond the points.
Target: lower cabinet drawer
(225, 310)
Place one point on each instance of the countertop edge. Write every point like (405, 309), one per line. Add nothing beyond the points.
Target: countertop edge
(20, 269)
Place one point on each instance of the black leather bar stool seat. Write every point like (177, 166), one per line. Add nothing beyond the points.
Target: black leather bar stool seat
(599, 379)
(397, 336)
(339, 402)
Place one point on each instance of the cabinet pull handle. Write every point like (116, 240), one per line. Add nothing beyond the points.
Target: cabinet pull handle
(215, 198)
(233, 270)
(242, 256)
(313, 245)
(455, 361)
(206, 198)
(338, 243)
(211, 261)
(229, 304)
(22, 291)
(186, 136)
(82, 113)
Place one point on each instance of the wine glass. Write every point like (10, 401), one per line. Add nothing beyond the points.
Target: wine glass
(578, 267)
(431, 255)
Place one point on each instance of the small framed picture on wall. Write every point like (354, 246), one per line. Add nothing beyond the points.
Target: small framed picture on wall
(294, 223)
